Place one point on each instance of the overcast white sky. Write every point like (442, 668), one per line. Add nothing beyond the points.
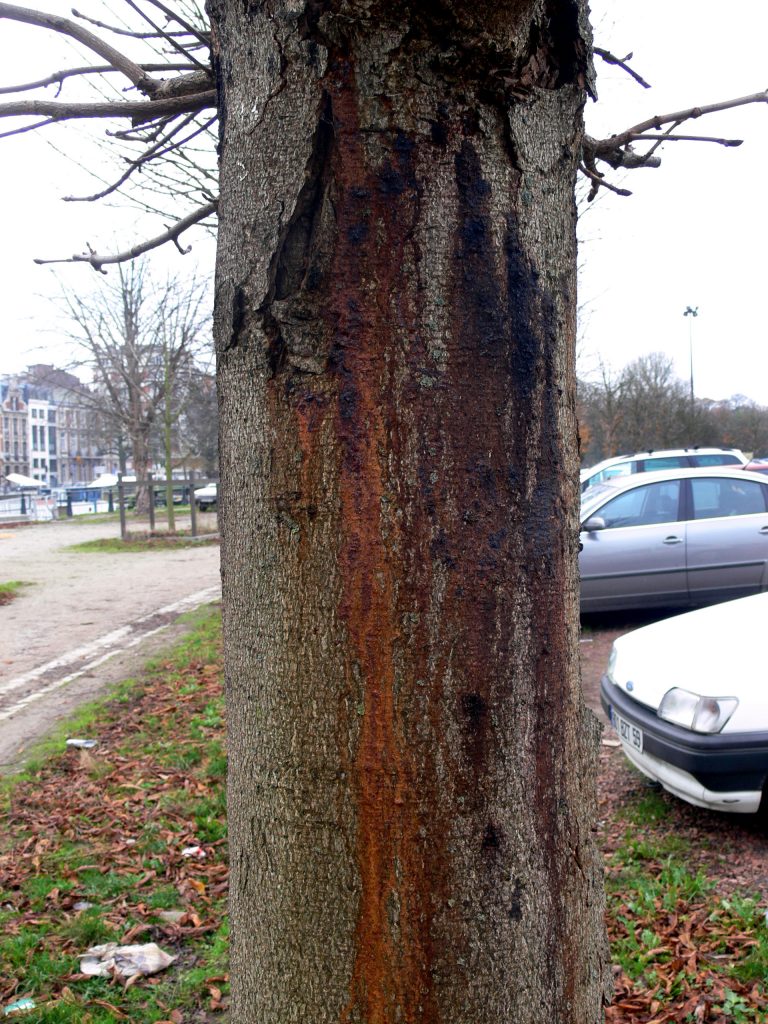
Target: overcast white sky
(693, 233)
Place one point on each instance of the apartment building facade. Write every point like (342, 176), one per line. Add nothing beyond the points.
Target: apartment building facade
(49, 431)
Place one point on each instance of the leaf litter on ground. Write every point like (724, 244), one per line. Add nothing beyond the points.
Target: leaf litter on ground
(687, 899)
(104, 830)
(106, 845)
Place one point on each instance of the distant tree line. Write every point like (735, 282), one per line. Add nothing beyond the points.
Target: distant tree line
(645, 406)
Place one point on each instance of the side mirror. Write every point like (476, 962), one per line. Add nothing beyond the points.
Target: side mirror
(593, 524)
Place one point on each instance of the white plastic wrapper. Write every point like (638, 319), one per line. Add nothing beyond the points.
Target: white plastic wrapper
(124, 961)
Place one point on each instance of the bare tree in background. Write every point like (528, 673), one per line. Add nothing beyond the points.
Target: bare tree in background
(196, 421)
(135, 335)
(646, 407)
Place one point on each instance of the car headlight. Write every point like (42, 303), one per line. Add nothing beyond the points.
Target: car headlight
(699, 714)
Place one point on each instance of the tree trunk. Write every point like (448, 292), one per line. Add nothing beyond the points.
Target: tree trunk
(142, 463)
(411, 789)
(168, 437)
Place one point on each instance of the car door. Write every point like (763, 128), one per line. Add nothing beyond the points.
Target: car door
(727, 538)
(638, 559)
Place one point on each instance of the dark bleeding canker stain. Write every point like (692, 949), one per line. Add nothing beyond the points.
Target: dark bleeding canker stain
(492, 837)
(475, 710)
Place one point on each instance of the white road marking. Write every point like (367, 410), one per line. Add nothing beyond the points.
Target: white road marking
(109, 645)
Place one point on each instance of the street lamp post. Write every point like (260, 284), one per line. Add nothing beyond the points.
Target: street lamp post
(691, 311)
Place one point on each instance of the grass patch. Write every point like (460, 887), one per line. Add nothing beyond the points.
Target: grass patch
(10, 590)
(91, 849)
(650, 808)
(145, 542)
(680, 951)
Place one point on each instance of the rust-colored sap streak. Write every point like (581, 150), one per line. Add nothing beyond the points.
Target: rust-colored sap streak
(390, 979)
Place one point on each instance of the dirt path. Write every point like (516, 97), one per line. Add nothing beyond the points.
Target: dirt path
(85, 620)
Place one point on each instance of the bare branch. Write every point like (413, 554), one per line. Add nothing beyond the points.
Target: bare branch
(621, 62)
(144, 133)
(27, 128)
(623, 138)
(165, 35)
(139, 111)
(161, 148)
(64, 26)
(127, 32)
(175, 16)
(170, 235)
(154, 150)
(689, 138)
(598, 181)
(58, 77)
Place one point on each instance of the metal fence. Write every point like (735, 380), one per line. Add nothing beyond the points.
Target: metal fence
(28, 506)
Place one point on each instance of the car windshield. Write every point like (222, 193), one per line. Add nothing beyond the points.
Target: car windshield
(592, 496)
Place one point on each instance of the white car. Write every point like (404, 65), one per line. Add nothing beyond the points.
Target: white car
(655, 461)
(206, 498)
(689, 701)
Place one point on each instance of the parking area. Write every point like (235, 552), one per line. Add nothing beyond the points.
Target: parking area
(84, 618)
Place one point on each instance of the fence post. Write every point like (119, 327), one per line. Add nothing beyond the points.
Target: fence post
(23, 504)
(121, 503)
(192, 506)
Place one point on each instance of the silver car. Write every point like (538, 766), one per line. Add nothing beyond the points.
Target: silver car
(673, 539)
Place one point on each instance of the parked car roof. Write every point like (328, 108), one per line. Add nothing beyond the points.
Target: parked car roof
(651, 460)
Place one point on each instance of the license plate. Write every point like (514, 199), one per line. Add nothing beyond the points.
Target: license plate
(630, 734)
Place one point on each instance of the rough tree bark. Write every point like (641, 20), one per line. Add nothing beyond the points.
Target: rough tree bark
(411, 766)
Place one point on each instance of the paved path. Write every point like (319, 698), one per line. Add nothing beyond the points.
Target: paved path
(85, 620)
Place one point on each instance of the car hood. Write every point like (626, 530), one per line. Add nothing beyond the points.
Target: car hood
(710, 652)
